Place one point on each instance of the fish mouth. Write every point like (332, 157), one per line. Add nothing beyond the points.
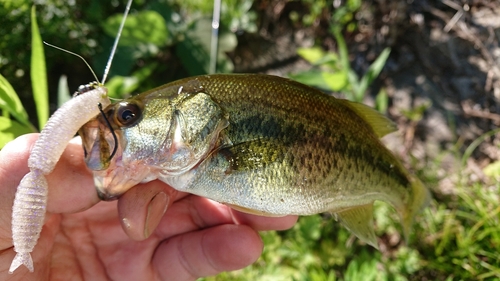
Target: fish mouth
(104, 196)
(110, 186)
(118, 179)
(106, 189)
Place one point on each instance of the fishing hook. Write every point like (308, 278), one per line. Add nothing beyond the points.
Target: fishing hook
(111, 129)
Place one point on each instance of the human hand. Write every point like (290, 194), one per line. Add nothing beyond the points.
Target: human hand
(83, 238)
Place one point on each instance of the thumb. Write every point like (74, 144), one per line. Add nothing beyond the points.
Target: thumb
(142, 207)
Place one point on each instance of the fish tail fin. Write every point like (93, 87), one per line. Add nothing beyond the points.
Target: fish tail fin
(419, 199)
(20, 259)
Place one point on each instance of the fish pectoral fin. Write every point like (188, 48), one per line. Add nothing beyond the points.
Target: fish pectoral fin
(252, 154)
(359, 220)
(251, 211)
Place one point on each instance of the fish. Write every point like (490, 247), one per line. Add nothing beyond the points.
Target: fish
(261, 144)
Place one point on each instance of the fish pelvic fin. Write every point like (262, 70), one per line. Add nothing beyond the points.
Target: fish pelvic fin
(419, 199)
(20, 259)
(252, 211)
(359, 220)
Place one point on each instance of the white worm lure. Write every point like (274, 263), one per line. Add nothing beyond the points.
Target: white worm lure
(30, 203)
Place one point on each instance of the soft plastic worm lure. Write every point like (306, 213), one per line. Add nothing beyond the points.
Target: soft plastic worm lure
(30, 203)
(31, 196)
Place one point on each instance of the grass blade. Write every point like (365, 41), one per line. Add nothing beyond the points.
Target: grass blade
(11, 129)
(38, 73)
(63, 94)
(372, 73)
(9, 101)
(475, 144)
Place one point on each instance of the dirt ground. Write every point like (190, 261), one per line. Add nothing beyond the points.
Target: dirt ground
(445, 57)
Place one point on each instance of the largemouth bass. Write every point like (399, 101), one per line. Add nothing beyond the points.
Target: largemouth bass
(261, 144)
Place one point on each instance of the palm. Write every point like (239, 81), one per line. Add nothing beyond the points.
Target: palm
(83, 239)
(93, 245)
(96, 242)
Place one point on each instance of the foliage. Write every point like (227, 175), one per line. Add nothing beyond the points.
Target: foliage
(157, 30)
(493, 170)
(165, 46)
(463, 238)
(316, 8)
(344, 15)
(183, 28)
(38, 73)
(9, 100)
(333, 72)
(317, 248)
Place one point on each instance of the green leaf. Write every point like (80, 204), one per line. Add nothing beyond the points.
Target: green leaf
(343, 52)
(194, 51)
(312, 78)
(63, 91)
(9, 101)
(312, 55)
(352, 77)
(493, 169)
(382, 101)
(372, 73)
(123, 61)
(140, 28)
(227, 43)
(121, 86)
(316, 56)
(10, 129)
(329, 81)
(336, 81)
(38, 73)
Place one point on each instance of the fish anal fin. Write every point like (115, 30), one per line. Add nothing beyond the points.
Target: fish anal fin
(359, 220)
(380, 124)
(251, 211)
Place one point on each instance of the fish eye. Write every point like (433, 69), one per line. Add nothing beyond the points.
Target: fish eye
(127, 114)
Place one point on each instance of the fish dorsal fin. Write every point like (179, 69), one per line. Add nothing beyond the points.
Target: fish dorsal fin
(380, 124)
(359, 220)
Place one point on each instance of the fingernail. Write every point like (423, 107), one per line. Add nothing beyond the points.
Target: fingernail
(156, 209)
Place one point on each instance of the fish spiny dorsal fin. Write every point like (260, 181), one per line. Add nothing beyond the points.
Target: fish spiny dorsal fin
(359, 220)
(380, 124)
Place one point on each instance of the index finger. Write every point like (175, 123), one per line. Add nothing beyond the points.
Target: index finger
(71, 187)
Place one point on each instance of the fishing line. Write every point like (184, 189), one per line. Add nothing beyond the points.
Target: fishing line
(113, 49)
(112, 131)
(214, 38)
(115, 44)
(76, 55)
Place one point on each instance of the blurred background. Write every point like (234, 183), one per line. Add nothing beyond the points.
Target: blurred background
(432, 66)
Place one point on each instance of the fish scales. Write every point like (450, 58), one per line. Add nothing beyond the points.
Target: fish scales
(264, 145)
(324, 133)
